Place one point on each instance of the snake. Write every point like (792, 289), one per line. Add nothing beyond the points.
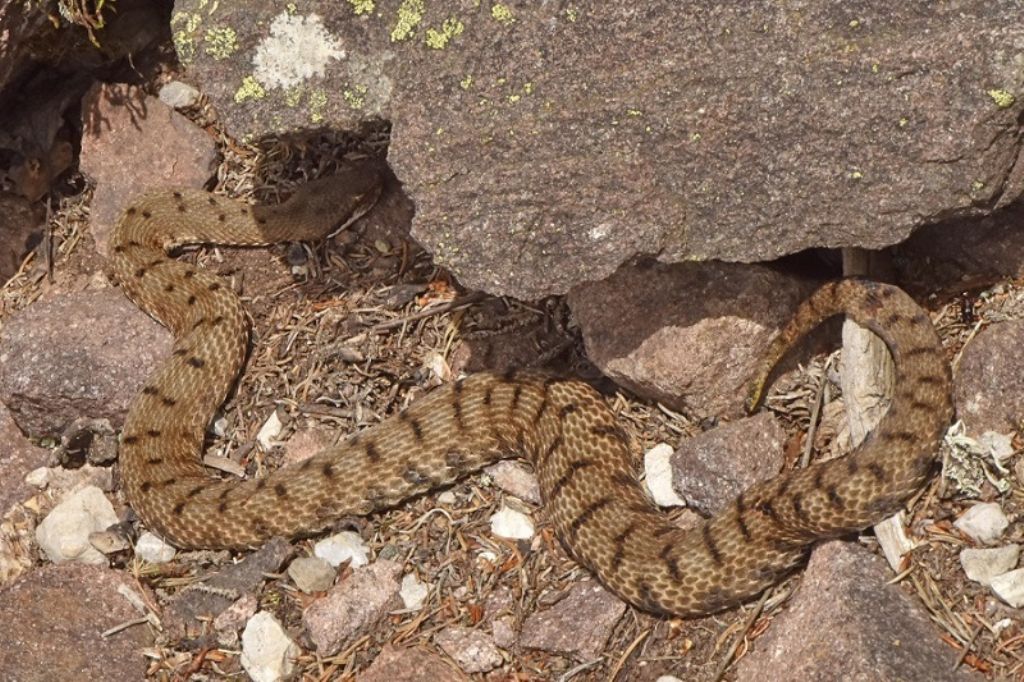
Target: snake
(583, 458)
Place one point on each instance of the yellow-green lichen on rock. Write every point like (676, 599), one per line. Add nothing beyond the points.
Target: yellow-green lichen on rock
(317, 105)
(293, 95)
(439, 40)
(355, 96)
(361, 7)
(410, 14)
(249, 90)
(502, 13)
(183, 33)
(220, 42)
(1004, 99)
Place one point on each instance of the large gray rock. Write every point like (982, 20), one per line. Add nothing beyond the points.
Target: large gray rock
(989, 383)
(846, 622)
(133, 143)
(53, 619)
(712, 468)
(688, 334)
(732, 131)
(61, 359)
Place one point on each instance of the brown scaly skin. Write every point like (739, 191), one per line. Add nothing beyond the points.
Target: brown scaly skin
(582, 457)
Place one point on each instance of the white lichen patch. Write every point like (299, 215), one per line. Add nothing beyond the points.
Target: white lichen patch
(297, 49)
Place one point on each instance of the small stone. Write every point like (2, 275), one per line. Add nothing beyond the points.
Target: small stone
(658, 476)
(311, 574)
(579, 625)
(892, 537)
(342, 547)
(410, 665)
(219, 427)
(268, 433)
(413, 592)
(353, 606)
(447, 498)
(64, 533)
(474, 651)
(514, 479)
(512, 524)
(1010, 587)
(178, 95)
(438, 366)
(502, 632)
(267, 650)
(39, 477)
(984, 522)
(233, 618)
(668, 678)
(715, 466)
(982, 565)
(151, 548)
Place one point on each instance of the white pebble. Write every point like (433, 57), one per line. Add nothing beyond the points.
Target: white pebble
(268, 433)
(267, 650)
(658, 476)
(413, 592)
(982, 565)
(219, 427)
(232, 619)
(447, 498)
(154, 550)
(983, 522)
(512, 524)
(64, 533)
(438, 366)
(38, 478)
(178, 95)
(892, 537)
(311, 574)
(668, 678)
(1010, 587)
(1000, 625)
(342, 547)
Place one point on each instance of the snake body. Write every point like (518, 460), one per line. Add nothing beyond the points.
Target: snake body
(583, 458)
